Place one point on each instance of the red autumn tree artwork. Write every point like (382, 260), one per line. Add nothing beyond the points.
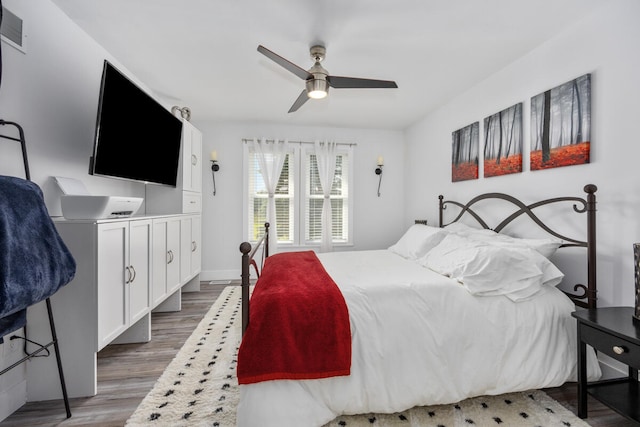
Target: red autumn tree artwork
(503, 142)
(561, 125)
(464, 153)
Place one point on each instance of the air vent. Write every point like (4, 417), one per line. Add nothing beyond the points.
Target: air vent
(12, 29)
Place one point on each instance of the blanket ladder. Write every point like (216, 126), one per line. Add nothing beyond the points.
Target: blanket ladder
(54, 337)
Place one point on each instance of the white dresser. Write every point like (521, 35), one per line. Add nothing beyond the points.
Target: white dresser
(126, 268)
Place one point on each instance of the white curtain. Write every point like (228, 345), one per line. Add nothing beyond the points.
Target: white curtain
(271, 156)
(326, 158)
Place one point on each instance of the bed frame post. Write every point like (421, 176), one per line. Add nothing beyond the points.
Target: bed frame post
(592, 296)
(245, 248)
(247, 261)
(266, 240)
(441, 207)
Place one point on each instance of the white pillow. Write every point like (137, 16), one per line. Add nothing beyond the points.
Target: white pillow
(545, 246)
(466, 230)
(417, 241)
(486, 269)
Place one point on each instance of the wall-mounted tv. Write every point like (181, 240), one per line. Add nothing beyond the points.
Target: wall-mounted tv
(136, 138)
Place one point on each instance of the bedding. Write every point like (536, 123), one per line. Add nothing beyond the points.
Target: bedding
(312, 310)
(421, 338)
(486, 268)
(546, 246)
(418, 240)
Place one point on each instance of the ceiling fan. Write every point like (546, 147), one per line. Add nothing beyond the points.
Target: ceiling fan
(318, 80)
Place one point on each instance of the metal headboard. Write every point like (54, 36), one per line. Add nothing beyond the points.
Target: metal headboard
(588, 297)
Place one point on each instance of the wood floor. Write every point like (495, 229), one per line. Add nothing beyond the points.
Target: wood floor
(127, 372)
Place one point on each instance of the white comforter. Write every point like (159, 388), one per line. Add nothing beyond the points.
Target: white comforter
(420, 338)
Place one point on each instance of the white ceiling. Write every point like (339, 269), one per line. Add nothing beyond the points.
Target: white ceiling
(202, 53)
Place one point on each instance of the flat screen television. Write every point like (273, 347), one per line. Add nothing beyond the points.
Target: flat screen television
(136, 138)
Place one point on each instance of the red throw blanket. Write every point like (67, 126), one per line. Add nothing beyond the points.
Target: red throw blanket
(298, 324)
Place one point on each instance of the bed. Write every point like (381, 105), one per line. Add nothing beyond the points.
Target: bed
(444, 314)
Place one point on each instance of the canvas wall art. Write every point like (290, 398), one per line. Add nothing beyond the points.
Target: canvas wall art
(503, 142)
(561, 125)
(464, 153)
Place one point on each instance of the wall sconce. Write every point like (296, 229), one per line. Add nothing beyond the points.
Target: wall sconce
(215, 167)
(379, 172)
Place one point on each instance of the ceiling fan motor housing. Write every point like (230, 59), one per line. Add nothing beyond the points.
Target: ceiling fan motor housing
(318, 86)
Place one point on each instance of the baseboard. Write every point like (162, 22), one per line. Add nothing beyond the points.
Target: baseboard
(12, 399)
(206, 276)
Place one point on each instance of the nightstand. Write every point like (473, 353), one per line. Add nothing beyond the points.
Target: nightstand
(614, 332)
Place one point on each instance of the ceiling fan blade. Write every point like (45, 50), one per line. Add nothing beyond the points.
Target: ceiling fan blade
(300, 72)
(301, 100)
(356, 83)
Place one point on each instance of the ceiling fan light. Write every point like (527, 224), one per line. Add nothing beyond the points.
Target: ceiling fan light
(317, 88)
(317, 94)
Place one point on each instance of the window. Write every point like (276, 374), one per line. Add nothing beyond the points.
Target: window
(299, 198)
(284, 196)
(314, 199)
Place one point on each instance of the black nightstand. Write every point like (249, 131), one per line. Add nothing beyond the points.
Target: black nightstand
(614, 332)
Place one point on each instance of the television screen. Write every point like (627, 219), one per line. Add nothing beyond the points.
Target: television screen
(136, 138)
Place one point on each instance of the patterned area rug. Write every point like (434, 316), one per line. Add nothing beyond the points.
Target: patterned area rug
(200, 388)
(532, 408)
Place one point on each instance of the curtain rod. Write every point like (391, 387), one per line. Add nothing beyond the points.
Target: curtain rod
(350, 144)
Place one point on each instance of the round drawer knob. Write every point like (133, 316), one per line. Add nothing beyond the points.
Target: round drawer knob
(619, 350)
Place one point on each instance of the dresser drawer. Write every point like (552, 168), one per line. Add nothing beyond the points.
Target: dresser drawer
(191, 202)
(618, 348)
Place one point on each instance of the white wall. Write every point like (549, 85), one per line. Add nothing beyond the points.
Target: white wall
(606, 44)
(377, 220)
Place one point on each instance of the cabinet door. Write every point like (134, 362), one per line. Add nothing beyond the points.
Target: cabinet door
(192, 166)
(138, 269)
(196, 254)
(196, 160)
(173, 254)
(113, 255)
(165, 258)
(190, 247)
(185, 248)
(187, 130)
(159, 262)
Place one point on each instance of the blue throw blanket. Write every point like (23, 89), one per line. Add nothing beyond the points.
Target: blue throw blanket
(34, 261)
